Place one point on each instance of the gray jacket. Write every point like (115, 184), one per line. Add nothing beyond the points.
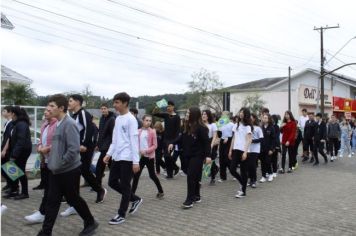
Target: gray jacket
(64, 155)
(334, 130)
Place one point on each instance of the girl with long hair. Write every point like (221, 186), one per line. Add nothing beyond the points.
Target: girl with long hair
(288, 130)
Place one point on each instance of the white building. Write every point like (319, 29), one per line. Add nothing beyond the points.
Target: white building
(9, 76)
(304, 87)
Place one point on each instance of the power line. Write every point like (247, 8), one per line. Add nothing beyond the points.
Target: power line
(145, 39)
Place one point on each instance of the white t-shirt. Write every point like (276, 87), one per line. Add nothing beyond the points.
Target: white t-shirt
(240, 136)
(44, 142)
(256, 134)
(226, 130)
(124, 146)
(302, 121)
(212, 129)
(144, 140)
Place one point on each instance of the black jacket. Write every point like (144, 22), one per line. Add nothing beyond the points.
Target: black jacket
(309, 129)
(87, 133)
(7, 133)
(277, 140)
(269, 139)
(106, 127)
(320, 131)
(195, 145)
(20, 140)
(171, 126)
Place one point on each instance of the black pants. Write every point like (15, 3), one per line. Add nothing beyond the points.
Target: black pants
(45, 180)
(100, 167)
(86, 158)
(194, 172)
(252, 167)
(236, 159)
(223, 157)
(274, 160)
(266, 163)
(168, 159)
(145, 161)
(159, 162)
(290, 151)
(214, 168)
(67, 185)
(21, 163)
(183, 161)
(334, 146)
(319, 147)
(308, 145)
(120, 180)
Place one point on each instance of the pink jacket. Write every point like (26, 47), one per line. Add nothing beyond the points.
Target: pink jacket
(152, 142)
(51, 129)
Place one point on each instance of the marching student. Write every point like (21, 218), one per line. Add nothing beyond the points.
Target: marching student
(346, 133)
(255, 151)
(334, 134)
(267, 147)
(239, 148)
(224, 146)
(208, 120)
(48, 129)
(288, 130)
(5, 143)
(106, 127)
(159, 150)
(20, 150)
(353, 138)
(147, 146)
(274, 157)
(319, 139)
(309, 131)
(171, 132)
(124, 155)
(64, 165)
(196, 148)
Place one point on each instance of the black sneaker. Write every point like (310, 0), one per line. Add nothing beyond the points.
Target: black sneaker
(316, 163)
(41, 233)
(135, 206)
(311, 160)
(159, 195)
(197, 199)
(176, 171)
(101, 196)
(212, 182)
(21, 196)
(305, 159)
(6, 187)
(89, 229)
(117, 220)
(11, 195)
(187, 204)
(240, 194)
(39, 187)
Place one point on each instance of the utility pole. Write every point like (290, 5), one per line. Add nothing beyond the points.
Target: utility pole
(289, 88)
(322, 59)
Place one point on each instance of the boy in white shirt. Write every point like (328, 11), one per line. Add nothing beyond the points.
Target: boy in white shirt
(125, 157)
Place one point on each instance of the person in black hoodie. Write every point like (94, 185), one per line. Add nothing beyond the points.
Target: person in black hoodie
(20, 150)
(309, 131)
(196, 148)
(106, 127)
(87, 143)
(267, 146)
(277, 139)
(5, 150)
(319, 139)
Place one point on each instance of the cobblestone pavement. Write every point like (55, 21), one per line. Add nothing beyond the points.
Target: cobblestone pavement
(311, 201)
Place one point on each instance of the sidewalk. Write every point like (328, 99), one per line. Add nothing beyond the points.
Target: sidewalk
(311, 201)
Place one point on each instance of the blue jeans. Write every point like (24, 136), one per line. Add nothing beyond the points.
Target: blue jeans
(345, 143)
(353, 143)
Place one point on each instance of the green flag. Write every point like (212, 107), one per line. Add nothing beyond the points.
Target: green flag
(37, 165)
(12, 170)
(224, 120)
(162, 103)
(206, 171)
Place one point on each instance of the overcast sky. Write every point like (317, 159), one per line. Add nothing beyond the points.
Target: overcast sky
(153, 47)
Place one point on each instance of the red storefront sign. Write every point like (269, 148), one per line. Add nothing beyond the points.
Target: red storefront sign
(344, 104)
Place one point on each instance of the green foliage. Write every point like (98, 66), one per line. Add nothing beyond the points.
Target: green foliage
(254, 103)
(18, 94)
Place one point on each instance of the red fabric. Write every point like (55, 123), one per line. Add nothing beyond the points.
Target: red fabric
(289, 131)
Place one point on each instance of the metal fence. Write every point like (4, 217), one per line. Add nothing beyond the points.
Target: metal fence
(36, 117)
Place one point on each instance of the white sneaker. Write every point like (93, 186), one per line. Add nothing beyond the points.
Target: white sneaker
(350, 156)
(3, 209)
(263, 179)
(35, 218)
(274, 175)
(69, 211)
(234, 179)
(270, 178)
(340, 155)
(331, 158)
(353, 153)
(183, 174)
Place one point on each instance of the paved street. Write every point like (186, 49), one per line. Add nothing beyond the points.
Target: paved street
(310, 201)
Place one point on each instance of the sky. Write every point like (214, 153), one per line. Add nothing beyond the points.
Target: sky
(153, 47)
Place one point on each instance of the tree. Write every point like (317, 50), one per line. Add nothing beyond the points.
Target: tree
(18, 94)
(206, 90)
(254, 103)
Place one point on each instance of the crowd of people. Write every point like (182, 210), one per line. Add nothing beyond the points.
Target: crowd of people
(239, 144)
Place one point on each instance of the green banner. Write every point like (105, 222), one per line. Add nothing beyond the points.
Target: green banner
(224, 120)
(206, 171)
(162, 103)
(12, 170)
(37, 165)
